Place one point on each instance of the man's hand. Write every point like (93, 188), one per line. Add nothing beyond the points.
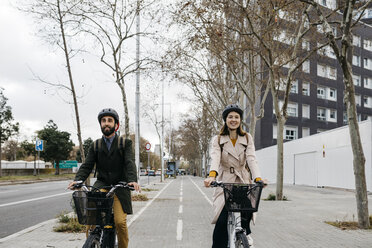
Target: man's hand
(208, 181)
(135, 186)
(71, 185)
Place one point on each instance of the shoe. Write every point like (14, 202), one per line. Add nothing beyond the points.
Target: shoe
(250, 240)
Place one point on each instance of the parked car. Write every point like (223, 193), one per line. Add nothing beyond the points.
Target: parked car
(151, 173)
(143, 173)
(158, 172)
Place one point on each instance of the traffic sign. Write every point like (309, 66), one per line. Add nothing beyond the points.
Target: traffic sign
(148, 146)
(39, 146)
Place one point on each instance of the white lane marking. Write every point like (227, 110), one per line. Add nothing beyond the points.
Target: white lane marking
(29, 229)
(146, 206)
(179, 230)
(180, 210)
(33, 199)
(205, 196)
(181, 193)
(181, 198)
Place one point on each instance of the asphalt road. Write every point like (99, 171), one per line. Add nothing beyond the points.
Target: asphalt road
(25, 205)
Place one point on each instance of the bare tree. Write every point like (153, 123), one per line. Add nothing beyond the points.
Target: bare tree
(111, 23)
(350, 17)
(58, 28)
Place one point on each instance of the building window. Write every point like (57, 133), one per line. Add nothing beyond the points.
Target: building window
(290, 133)
(321, 114)
(356, 60)
(356, 80)
(305, 132)
(292, 109)
(306, 45)
(367, 101)
(305, 111)
(345, 118)
(332, 94)
(367, 82)
(332, 115)
(275, 130)
(367, 63)
(359, 117)
(306, 66)
(367, 44)
(356, 40)
(305, 89)
(326, 71)
(358, 100)
(321, 92)
(294, 87)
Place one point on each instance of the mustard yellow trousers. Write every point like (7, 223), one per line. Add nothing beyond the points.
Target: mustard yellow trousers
(120, 219)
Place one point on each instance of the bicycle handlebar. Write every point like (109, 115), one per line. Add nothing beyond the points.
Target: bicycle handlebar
(221, 184)
(121, 184)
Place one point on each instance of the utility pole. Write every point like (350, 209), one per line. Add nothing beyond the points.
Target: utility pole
(137, 125)
(162, 133)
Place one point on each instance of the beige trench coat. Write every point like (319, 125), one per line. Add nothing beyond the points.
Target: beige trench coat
(232, 157)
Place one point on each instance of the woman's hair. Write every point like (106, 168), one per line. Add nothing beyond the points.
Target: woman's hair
(225, 130)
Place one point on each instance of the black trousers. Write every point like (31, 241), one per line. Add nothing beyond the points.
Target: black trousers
(220, 236)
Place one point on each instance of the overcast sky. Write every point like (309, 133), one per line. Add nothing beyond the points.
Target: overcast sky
(34, 103)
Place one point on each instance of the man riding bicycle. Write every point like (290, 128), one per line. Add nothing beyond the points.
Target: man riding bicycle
(114, 163)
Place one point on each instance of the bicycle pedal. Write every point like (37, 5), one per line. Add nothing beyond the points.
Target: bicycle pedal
(107, 227)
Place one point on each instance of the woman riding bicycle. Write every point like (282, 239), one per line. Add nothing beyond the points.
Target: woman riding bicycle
(233, 160)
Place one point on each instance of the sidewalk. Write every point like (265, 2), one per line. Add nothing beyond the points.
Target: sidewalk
(298, 222)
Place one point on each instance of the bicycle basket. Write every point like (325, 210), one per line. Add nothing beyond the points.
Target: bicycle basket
(93, 208)
(242, 197)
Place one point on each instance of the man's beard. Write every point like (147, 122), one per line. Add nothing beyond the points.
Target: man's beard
(107, 132)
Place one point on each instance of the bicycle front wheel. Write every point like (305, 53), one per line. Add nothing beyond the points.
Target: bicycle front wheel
(92, 242)
(241, 240)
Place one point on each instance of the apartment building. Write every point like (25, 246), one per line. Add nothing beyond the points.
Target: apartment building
(316, 99)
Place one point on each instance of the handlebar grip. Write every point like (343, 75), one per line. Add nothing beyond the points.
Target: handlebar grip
(78, 185)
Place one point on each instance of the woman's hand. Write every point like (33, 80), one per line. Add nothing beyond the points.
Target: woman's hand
(208, 181)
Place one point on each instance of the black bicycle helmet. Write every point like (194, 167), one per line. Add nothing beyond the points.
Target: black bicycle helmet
(230, 108)
(108, 112)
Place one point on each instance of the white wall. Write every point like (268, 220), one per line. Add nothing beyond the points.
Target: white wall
(20, 164)
(304, 163)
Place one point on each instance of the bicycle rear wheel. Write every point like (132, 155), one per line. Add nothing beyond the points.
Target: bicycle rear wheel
(92, 242)
(241, 240)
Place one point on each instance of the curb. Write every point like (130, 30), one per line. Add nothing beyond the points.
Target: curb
(29, 229)
(5, 183)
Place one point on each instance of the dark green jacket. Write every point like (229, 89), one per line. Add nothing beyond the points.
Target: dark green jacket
(111, 168)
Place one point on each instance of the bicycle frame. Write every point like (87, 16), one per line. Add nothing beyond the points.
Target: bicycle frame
(103, 234)
(236, 233)
(233, 227)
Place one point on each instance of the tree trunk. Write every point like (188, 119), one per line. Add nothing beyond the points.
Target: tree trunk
(1, 170)
(125, 104)
(279, 172)
(356, 145)
(57, 168)
(68, 65)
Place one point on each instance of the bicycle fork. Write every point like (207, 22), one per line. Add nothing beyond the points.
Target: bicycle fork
(233, 227)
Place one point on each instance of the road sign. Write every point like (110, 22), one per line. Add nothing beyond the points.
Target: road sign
(66, 164)
(39, 145)
(148, 146)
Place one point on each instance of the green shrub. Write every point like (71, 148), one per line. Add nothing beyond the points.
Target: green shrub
(68, 223)
(272, 197)
(139, 197)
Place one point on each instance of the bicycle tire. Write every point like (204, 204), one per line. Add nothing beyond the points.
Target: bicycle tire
(92, 242)
(241, 240)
